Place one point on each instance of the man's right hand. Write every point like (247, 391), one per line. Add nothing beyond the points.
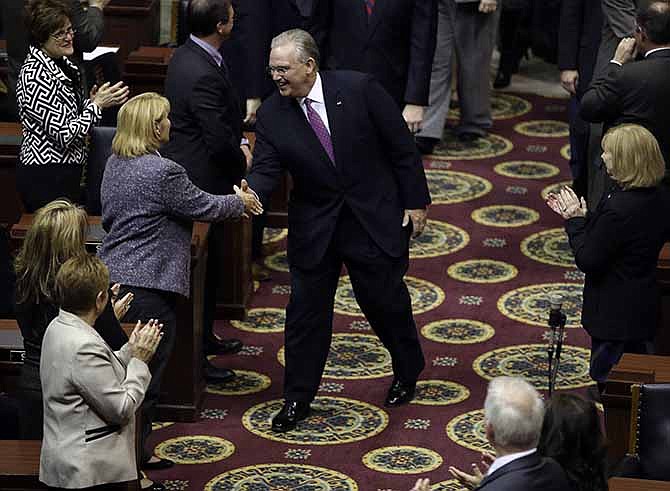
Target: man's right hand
(569, 80)
(250, 199)
(626, 51)
(144, 340)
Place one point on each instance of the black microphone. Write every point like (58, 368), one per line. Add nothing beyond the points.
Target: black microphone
(555, 313)
(557, 321)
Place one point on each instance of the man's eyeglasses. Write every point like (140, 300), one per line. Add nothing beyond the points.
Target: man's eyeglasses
(279, 70)
(60, 35)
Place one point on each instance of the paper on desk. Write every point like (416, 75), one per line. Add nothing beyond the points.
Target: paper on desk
(99, 51)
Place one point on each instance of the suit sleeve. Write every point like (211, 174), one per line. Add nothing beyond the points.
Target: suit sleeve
(602, 100)
(595, 245)
(222, 145)
(404, 156)
(570, 26)
(90, 26)
(421, 51)
(93, 375)
(266, 170)
(620, 15)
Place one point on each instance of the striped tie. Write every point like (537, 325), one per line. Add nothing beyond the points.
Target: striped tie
(369, 6)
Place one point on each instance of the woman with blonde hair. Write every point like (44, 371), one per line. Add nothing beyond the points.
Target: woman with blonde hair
(58, 233)
(617, 247)
(148, 206)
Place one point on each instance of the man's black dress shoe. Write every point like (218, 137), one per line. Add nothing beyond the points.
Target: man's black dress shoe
(468, 136)
(502, 80)
(218, 375)
(218, 346)
(290, 414)
(400, 393)
(158, 465)
(425, 144)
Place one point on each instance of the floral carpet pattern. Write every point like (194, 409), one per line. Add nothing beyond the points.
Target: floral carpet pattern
(479, 279)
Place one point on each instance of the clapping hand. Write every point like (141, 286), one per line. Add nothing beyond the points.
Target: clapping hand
(625, 51)
(473, 480)
(421, 485)
(488, 6)
(121, 305)
(418, 218)
(144, 340)
(108, 95)
(251, 202)
(567, 204)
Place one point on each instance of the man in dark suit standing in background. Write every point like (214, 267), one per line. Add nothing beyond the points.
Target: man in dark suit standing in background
(579, 38)
(206, 137)
(359, 189)
(632, 91)
(394, 40)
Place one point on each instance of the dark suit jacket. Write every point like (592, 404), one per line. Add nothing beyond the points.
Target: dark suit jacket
(579, 38)
(396, 44)
(617, 246)
(377, 170)
(527, 473)
(206, 120)
(636, 92)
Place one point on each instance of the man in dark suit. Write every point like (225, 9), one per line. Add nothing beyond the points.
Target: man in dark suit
(637, 91)
(359, 189)
(513, 412)
(579, 38)
(206, 137)
(394, 40)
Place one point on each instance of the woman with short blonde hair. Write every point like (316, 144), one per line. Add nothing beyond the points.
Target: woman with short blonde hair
(137, 120)
(617, 247)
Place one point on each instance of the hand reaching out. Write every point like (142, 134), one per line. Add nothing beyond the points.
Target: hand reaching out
(251, 202)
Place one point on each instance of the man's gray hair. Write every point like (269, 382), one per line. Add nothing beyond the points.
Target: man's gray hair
(515, 411)
(305, 45)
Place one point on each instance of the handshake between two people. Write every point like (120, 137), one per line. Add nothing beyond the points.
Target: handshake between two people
(250, 199)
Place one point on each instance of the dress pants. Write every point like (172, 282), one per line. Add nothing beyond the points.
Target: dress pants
(379, 288)
(162, 305)
(470, 35)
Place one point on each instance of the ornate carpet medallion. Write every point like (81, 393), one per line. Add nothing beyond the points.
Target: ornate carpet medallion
(565, 151)
(458, 331)
(549, 247)
(450, 485)
(354, 357)
(333, 421)
(554, 188)
(281, 477)
(277, 262)
(529, 361)
(402, 460)
(195, 449)
(469, 431)
(425, 296)
(482, 271)
(505, 216)
(262, 320)
(543, 128)
(451, 148)
(526, 169)
(530, 304)
(274, 234)
(246, 382)
(503, 106)
(439, 393)
(438, 239)
(448, 186)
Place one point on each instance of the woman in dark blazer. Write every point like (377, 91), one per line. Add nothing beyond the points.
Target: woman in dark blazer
(148, 207)
(55, 115)
(617, 247)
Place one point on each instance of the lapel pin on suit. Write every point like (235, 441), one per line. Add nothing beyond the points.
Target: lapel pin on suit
(338, 103)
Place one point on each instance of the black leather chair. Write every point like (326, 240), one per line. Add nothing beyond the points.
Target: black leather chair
(649, 446)
(99, 152)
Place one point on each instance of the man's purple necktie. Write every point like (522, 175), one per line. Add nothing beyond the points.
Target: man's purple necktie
(320, 129)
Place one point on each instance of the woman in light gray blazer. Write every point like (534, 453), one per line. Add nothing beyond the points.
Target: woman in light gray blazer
(90, 392)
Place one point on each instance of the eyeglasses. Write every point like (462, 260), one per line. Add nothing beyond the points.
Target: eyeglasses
(279, 70)
(61, 35)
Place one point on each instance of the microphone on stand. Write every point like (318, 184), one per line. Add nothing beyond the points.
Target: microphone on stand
(557, 321)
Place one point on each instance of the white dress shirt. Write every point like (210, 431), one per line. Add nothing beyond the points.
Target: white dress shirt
(318, 102)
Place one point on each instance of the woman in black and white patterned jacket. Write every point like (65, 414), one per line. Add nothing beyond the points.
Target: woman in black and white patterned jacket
(55, 115)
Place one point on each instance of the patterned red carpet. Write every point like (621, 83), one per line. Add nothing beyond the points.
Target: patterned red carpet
(479, 279)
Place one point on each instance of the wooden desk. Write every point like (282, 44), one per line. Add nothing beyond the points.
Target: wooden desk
(183, 384)
(130, 24)
(632, 369)
(145, 69)
(625, 484)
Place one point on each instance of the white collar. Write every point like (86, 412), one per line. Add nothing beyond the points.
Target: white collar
(316, 93)
(506, 459)
(655, 50)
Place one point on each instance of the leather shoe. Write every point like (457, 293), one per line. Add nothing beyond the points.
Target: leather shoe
(218, 375)
(502, 80)
(158, 465)
(400, 393)
(289, 416)
(468, 136)
(219, 346)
